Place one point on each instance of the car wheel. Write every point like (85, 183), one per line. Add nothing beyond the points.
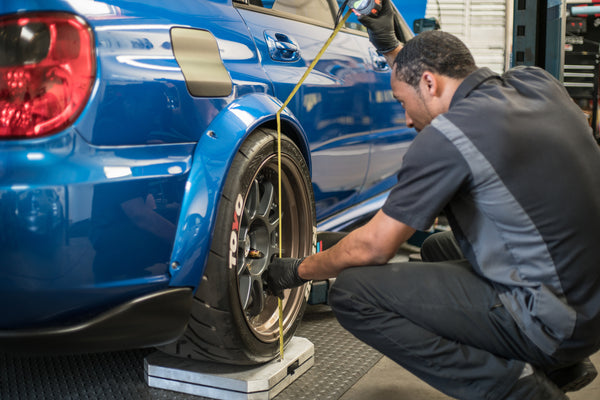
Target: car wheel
(233, 319)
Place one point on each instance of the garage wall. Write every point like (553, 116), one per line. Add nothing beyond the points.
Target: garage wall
(481, 24)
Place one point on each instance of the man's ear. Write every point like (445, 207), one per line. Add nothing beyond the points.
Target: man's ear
(429, 83)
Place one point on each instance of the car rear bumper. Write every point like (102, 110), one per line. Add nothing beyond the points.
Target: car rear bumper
(68, 249)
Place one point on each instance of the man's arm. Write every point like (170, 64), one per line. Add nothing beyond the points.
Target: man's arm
(372, 244)
(390, 56)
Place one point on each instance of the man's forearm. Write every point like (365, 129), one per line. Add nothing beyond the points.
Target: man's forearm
(348, 252)
(371, 244)
(390, 56)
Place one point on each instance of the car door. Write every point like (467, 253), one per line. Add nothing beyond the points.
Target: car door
(332, 104)
(390, 137)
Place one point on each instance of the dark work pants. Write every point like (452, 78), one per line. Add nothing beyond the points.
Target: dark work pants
(439, 320)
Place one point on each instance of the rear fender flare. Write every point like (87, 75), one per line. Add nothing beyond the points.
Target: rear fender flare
(212, 159)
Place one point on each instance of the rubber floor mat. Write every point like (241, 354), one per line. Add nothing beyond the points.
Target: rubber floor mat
(340, 360)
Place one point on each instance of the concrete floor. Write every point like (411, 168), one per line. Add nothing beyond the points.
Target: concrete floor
(388, 381)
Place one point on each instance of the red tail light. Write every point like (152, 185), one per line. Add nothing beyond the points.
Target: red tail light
(47, 69)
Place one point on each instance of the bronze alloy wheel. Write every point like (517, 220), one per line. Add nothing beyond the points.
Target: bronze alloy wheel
(259, 242)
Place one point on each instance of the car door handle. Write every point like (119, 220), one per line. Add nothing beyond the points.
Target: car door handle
(282, 47)
(378, 61)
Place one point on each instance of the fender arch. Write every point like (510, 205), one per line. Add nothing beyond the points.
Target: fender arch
(212, 159)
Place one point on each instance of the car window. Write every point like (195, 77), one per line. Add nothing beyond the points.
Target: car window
(322, 11)
(315, 9)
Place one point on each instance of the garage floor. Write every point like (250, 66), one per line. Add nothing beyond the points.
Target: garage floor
(344, 369)
(388, 381)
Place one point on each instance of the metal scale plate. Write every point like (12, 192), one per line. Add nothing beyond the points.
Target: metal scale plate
(230, 382)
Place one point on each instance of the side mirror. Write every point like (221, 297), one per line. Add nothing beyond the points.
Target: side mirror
(425, 24)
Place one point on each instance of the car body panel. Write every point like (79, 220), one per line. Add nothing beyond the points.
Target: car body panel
(123, 203)
(66, 242)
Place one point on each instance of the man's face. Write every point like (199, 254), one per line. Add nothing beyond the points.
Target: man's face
(418, 112)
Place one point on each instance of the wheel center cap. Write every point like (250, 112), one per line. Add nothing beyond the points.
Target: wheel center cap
(255, 254)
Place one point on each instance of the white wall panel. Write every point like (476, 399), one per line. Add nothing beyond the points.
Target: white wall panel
(481, 24)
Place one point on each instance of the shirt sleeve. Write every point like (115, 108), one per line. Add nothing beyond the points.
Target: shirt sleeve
(433, 171)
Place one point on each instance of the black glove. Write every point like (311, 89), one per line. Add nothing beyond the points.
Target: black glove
(281, 274)
(382, 28)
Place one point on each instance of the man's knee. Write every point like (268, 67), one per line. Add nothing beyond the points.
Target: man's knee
(441, 246)
(346, 284)
(353, 296)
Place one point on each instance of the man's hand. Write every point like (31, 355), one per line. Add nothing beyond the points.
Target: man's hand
(281, 274)
(381, 28)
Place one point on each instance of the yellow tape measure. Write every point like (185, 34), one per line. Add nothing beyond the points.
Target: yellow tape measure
(285, 104)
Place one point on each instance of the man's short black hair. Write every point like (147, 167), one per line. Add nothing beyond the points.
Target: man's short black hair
(435, 51)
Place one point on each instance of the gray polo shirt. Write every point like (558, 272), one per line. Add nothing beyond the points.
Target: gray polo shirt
(514, 166)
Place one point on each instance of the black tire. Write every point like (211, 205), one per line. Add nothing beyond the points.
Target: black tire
(233, 320)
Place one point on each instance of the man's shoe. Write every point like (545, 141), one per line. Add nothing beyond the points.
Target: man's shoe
(535, 385)
(574, 377)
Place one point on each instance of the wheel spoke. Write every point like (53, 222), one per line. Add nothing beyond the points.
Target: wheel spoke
(274, 248)
(253, 201)
(243, 267)
(245, 282)
(273, 225)
(243, 245)
(258, 300)
(266, 202)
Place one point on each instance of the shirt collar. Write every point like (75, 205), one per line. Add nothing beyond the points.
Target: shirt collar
(471, 82)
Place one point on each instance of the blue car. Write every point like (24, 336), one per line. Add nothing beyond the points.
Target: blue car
(138, 167)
